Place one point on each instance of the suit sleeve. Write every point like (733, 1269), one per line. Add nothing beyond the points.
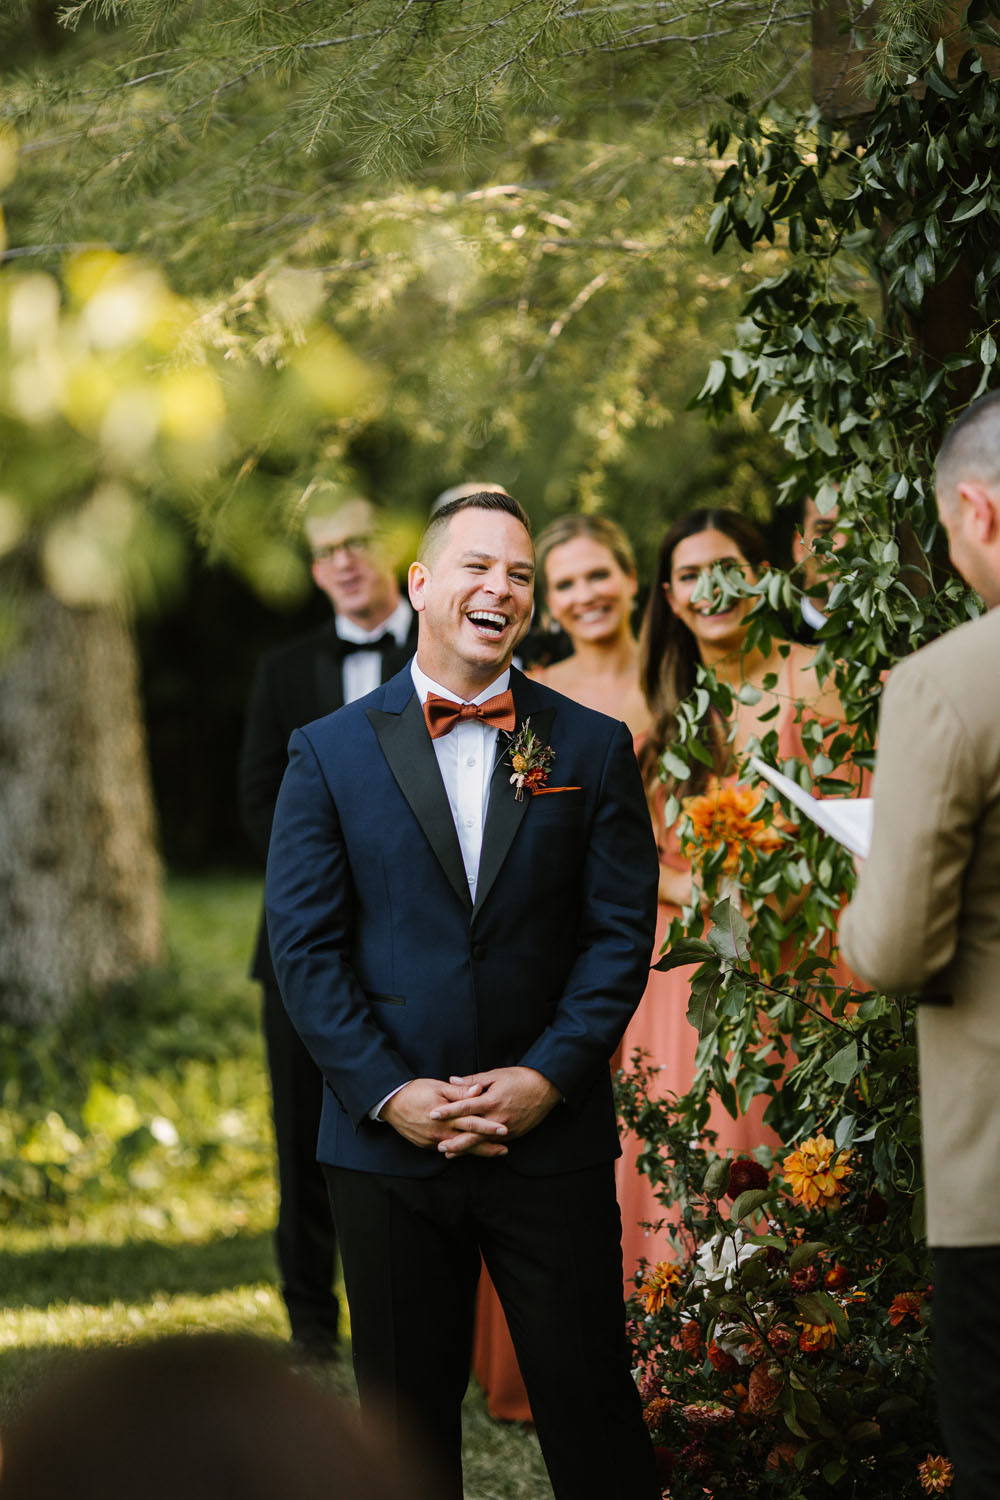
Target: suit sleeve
(309, 899)
(263, 756)
(617, 931)
(900, 929)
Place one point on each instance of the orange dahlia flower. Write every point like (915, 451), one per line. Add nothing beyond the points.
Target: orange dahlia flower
(906, 1305)
(817, 1172)
(658, 1290)
(936, 1474)
(720, 817)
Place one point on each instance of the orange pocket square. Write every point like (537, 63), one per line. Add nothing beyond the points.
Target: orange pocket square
(545, 791)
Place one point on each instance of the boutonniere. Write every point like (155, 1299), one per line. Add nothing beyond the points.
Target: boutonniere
(531, 760)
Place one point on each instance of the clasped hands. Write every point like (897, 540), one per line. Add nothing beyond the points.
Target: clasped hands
(471, 1116)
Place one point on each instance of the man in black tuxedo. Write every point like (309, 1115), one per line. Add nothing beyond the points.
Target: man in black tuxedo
(372, 633)
(461, 899)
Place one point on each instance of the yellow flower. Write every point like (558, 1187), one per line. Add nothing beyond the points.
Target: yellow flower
(816, 1336)
(817, 1173)
(518, 762)
(657, 1291)
(936, 1474)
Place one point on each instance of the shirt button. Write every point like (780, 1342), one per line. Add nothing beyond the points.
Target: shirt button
(470, 822)
(471, 761)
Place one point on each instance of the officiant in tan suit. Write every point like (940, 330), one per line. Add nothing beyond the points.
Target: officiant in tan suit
(926, 920)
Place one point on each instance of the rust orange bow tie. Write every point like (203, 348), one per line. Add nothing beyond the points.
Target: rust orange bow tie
(442, 714)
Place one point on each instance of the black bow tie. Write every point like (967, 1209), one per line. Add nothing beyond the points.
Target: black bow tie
(383, 643)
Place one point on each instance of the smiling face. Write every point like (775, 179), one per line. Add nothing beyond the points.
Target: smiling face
(716, 631)
(350, 566)
(473, 593)
(587, 591)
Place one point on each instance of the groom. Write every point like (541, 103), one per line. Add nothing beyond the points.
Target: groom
(461, 955)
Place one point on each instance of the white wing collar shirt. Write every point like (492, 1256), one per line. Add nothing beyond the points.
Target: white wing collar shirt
(363, 669)
(465, 759)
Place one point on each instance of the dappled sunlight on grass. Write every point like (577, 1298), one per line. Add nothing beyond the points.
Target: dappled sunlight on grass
(137, 1185)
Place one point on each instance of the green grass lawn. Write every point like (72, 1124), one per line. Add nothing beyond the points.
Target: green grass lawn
(137, 1192)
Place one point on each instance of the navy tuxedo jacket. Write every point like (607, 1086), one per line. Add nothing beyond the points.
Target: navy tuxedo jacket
(388, 970)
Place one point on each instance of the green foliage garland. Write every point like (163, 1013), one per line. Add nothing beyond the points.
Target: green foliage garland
(887, 233)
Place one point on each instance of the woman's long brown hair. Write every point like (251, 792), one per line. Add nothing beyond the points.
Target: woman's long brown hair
(668, 652)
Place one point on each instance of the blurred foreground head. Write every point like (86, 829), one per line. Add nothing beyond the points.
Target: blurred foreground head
(205, 1417)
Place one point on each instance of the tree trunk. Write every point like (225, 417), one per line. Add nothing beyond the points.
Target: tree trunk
(80, 879)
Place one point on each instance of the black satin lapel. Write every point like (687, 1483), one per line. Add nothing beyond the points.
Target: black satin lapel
(409, 753)
(504, 814)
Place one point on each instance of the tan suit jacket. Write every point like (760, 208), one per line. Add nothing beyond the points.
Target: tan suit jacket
(926, 915)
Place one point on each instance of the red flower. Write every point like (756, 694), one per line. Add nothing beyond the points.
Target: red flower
(696, 1458)
(806, 1280)
(837, 1277)
(665, 1464)
(690, 1338)
(745, 1173)
(875, 1208)
(723, 1362)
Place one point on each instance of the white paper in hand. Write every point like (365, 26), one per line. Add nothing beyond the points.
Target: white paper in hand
(847, 819)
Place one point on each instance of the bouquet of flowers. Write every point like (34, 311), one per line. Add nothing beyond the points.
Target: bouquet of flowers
(785, 1351)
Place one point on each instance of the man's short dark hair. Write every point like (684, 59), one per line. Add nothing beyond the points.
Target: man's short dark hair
(970, 450)
(482, 500)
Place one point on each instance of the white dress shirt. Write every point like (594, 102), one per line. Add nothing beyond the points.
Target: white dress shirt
(362, 670)
(465, 758)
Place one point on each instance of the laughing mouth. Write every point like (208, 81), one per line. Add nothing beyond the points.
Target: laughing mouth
(487, 619)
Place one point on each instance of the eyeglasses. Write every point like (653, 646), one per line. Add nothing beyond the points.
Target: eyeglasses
(351, 546)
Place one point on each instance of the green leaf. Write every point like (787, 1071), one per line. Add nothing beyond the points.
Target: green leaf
(843, 1065)
(716, 373)
(672, 762)
(715, 1183)
(970, 213)
(805, 1254)
(685, 951)
(812, 1308)
(729, 932)
(750, 1202)
(701, 1011)
(754, 1272)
